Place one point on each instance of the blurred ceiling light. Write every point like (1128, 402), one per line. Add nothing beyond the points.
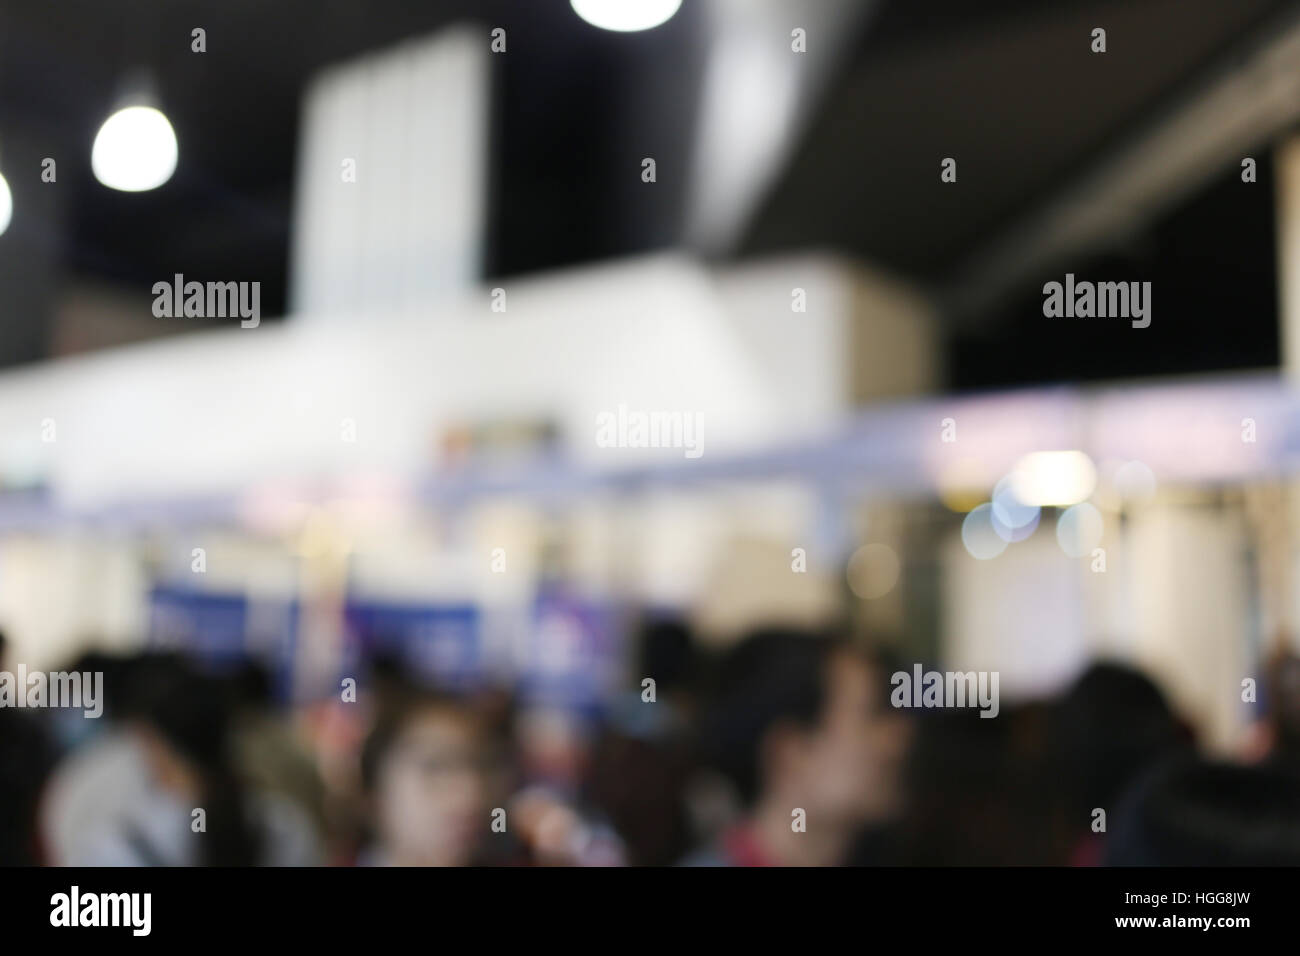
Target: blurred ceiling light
(135, 150)
(1079, 529)
(626, 16)
(979, 536)
(6, 205)
(1009, 510)
(1013, 520)
(1053, 478)
(1010, 534)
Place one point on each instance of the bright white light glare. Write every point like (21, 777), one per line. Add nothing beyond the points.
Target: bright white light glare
(1079, 530)
(625, 16)
(134, 150)
(6, 205)
(1010, 511)
(979, 536)
(1020, 533)
(1053, 478)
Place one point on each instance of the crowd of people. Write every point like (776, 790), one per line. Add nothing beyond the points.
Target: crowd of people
(782, 750)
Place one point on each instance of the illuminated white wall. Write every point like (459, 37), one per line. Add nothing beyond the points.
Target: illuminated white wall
(1174, 600)
(1021, 614)
(223, 412)
(413, 119)
(59, 592)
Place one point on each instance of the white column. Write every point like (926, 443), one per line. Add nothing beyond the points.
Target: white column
(409, 230)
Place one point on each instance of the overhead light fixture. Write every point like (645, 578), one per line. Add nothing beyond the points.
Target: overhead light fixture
(135, 150)
(6, 205)
(1053, 478)
(626, 16)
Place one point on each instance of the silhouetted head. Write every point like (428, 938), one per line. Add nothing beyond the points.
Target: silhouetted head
(666, 652)
(1190, 812)
(1112, 725)
(252, 685)
(1282, 695)
(806, 719)
(185, 722)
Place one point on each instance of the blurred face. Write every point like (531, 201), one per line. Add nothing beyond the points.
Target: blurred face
(848, 767)
(431, 793)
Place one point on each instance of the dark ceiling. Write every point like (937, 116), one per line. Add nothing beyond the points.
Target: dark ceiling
(1011, 90)
(1006, 86)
